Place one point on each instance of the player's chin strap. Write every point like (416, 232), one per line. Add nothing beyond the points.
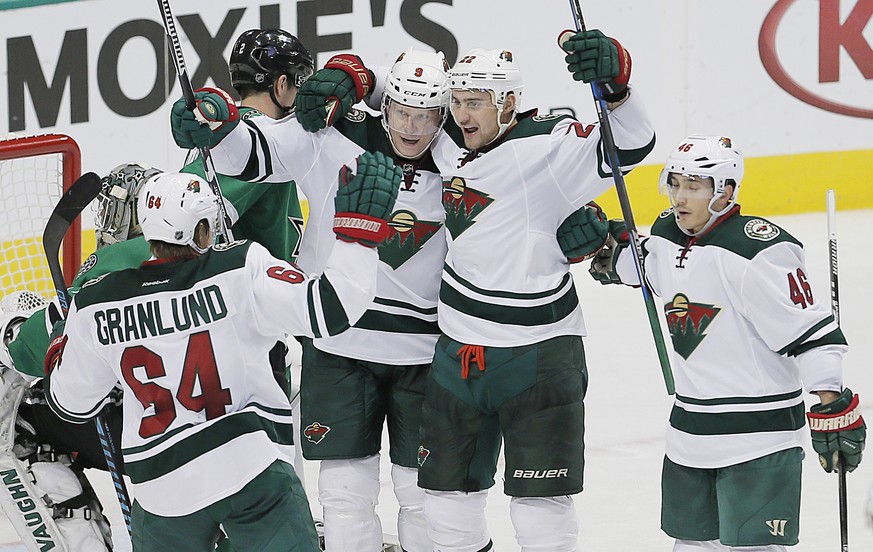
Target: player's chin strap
(47, 500)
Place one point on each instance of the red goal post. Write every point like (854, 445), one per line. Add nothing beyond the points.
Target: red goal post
(34, 172)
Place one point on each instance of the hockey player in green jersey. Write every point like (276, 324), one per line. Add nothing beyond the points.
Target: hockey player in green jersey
(267, 66)
(748, 337)
(385, 357)
(208, 434)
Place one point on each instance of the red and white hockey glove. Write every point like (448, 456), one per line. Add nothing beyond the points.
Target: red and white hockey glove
(364, 201)
(55, 348)
(331, 92)
(837, 427)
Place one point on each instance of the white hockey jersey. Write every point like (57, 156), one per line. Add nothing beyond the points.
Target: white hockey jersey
(189, 341)
(506, 282)
(400, 326)
(747, 334)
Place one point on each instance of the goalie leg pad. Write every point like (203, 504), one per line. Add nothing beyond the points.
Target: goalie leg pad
(348, 491)
(545, 524)
(456, 521)
(411, 525)
(698, 546)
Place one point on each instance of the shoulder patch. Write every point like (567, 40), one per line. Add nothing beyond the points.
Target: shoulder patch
(760, 229)
(547, 117)
(251, 114)
(226, 246)
(665, 213)
(87, 265)
(356, 115)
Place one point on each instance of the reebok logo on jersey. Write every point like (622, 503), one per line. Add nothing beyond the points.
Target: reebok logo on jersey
(315, 432)
(462, 205)
(423, 453)
(687, 321)
(540, 474)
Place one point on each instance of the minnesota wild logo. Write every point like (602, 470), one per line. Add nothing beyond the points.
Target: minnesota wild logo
(406, 238)
(462, 205)
(687, 322)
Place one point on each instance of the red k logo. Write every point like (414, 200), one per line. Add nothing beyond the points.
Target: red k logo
(840, 30)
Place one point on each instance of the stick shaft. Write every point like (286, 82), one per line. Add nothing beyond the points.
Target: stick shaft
(833, 265)
(627, 214)
(191, 103)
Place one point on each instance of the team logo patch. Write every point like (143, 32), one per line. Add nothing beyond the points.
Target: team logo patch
(423, 453)
(666, 213)
(760, 229)
(87, 265)
(355, 115)
(546, 117)
(315, 432)
(687, 322)
(194, 186)
(406, 237)
(462, 204)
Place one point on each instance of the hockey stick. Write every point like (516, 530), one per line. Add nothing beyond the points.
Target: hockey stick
(191, 103)
(628, 216)
(835, 310)
(75, 199)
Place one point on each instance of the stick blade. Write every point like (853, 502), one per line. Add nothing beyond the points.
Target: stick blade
(83, 191)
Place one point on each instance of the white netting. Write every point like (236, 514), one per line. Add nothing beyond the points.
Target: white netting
(30, 187)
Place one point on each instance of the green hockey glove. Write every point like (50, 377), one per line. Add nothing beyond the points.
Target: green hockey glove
(593, 56)
(331, 92)
(603, 265)
(583, 233)
(365, 200)
(837, 427)
(215, 116)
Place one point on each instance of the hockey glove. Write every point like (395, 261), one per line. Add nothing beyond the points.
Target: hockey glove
(583, 233)
(55, 348)
(593, 56)
(603, 265)
(331, 92)
(837, 427)
(214, 117)
(365, 200)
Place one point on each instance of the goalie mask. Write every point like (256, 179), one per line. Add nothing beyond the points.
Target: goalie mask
(260, 56)
(116, 218)
(706, 158)
(494, 71)
(15, 308)
(416, 100)
(171, 205)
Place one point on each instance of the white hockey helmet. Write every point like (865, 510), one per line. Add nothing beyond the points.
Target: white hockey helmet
(116, 219)
(493, 70)
(419, 80)
(15, 308)
(172, 204)
(706, 157)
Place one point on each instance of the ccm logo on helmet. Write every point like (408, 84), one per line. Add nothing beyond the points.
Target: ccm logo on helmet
(540, 474)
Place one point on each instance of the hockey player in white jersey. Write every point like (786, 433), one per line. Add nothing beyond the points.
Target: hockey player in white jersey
(208, 437)
(748, 337)
(353, 382)
(510, 364)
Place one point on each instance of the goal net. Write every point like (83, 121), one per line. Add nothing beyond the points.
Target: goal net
(34, 173)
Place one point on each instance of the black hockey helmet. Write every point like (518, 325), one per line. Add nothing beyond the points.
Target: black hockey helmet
(259, 56)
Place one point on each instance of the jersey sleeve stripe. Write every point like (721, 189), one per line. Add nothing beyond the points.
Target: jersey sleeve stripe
(335, 318)
(740, 400)
(792, 348)
(310, 305)
(253, 170)
(66, 414)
